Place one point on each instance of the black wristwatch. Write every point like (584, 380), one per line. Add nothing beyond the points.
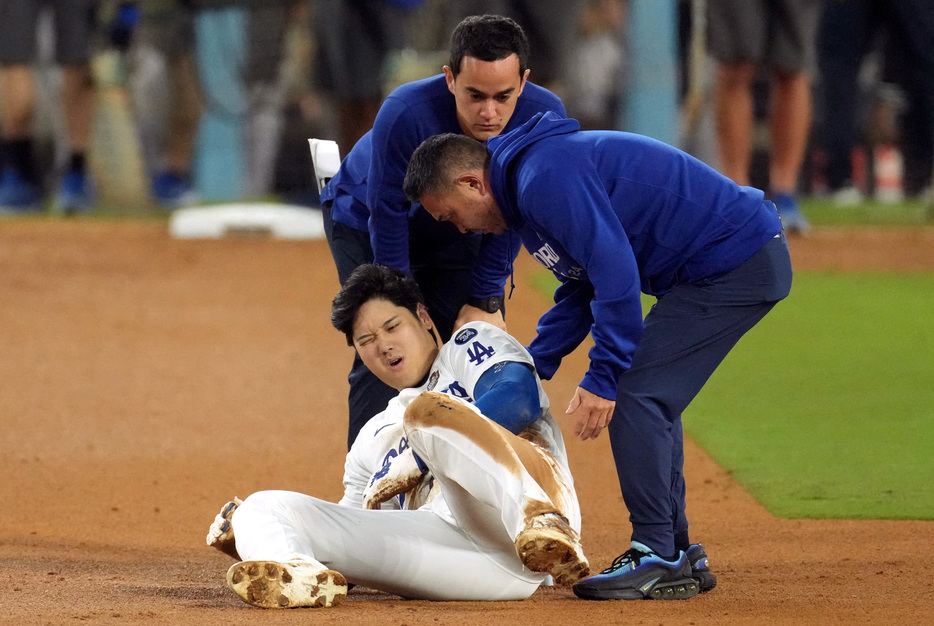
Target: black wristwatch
(490, 305)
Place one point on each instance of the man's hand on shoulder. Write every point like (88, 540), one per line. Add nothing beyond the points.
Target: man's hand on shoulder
(593, 413)
(470, 313)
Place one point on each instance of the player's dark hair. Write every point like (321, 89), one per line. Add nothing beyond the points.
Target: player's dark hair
(369, 282)
(439, 160)
(488, 38)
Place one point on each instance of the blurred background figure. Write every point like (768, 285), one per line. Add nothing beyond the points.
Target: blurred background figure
(21, 181)
(778, 36)
(208, 94)
(166, 97)
(355, 40)
(876, 130)
(239, 47)
(598, 58)
(225, 93)
(697, 78)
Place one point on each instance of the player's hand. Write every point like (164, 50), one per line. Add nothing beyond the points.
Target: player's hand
(593, 413)
(400, 475)
(473, 314)
(221, 533)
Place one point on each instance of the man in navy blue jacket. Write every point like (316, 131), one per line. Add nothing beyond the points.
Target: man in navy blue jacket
(483, 92)
(613, 214)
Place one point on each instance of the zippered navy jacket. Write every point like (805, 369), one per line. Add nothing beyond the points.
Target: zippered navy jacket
(367, 194)
(613, 214)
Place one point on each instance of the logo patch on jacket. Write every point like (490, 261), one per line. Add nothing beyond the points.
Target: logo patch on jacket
(558, 261)
(465, 335)
(547, 256)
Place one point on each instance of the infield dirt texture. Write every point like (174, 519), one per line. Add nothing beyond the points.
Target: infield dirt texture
(144, 381)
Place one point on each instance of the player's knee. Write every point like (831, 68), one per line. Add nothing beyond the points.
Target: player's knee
(433, 408)
(424, 410)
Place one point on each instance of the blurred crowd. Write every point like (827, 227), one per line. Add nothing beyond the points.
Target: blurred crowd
(167, 103)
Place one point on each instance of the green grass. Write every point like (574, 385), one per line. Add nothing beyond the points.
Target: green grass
(823, 212)
(826, 408)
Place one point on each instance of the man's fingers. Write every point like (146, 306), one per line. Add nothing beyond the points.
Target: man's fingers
(593, 425)
(583, 429)
(593, 413)
(592, 431)
(587, 423)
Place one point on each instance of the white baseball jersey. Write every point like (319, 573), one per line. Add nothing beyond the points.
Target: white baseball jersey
(459, 546)
(475, 349)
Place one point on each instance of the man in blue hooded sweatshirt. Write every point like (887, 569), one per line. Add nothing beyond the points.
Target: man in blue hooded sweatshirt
(482, 93)
(613, 214)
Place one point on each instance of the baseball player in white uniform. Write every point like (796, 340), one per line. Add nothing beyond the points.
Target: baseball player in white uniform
(468, 510)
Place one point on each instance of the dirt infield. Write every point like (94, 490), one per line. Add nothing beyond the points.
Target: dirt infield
(144, 381)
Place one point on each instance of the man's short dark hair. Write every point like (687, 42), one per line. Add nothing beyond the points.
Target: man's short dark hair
(438, 161)
(369, 282)
(488, 38)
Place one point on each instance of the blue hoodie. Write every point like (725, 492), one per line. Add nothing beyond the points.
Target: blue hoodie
(613, 214)
(367, 194)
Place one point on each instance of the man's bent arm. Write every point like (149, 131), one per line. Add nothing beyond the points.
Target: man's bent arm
(508, 395)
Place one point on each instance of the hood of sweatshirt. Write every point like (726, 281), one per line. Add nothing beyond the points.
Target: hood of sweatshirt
(506, 149)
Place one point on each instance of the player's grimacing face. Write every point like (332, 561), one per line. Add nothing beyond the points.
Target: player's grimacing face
(485, 93)
(393, 343)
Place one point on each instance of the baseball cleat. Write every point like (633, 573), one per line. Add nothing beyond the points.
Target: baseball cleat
(549, 545)
(274, 585)
(700, 567)
(640, 574)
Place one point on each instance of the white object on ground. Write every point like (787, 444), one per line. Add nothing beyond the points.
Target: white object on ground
(280, 221)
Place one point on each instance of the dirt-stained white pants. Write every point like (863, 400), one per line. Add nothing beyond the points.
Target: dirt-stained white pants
(458, 547)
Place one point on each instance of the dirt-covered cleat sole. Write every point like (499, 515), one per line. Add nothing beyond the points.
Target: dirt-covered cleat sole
(551, 546)
(274, 585)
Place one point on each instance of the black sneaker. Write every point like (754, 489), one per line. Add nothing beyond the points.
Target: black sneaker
(640, 574)
(700, 567)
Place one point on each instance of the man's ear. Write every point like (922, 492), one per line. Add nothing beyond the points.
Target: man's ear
(471, 179)
(449, 77)
(477, 181)
(424, 316)
(525, 77)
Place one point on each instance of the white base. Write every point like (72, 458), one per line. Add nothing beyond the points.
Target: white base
(280, 221)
